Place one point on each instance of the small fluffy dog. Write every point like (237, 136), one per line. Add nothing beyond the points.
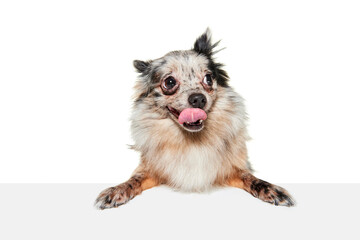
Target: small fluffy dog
(190, 127)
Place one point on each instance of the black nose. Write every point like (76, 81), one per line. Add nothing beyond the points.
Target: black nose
(197, 100)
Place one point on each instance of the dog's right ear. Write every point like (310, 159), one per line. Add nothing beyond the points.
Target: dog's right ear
(141, 66)
(203, 44)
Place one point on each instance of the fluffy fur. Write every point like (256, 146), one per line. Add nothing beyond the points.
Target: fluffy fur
(173, 155)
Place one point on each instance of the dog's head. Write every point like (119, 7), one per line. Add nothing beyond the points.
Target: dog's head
(182, 85)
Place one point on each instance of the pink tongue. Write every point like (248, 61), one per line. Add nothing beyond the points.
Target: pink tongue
(192, 115)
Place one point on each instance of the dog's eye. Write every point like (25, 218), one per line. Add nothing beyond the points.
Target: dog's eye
(169, 83)
(208, 80)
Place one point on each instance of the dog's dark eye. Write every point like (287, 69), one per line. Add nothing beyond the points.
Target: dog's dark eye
(169, 83)
(208, 80)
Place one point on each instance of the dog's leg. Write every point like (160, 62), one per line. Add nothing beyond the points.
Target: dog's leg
(261, 189)
(121, 194)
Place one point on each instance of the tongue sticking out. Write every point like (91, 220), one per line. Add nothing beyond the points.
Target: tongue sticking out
(192, 115)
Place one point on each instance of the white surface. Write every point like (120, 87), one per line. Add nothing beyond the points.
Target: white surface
(64, 211)
(66, 78)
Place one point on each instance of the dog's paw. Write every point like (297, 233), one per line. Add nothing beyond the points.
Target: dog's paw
(114, 197)
(271, 193)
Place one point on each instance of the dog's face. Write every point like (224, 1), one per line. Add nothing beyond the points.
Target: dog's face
(182, 85)
(184, 81)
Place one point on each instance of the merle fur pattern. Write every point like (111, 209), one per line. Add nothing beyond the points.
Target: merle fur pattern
(173, 155)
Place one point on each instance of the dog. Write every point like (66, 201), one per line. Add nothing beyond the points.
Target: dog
(190, 127)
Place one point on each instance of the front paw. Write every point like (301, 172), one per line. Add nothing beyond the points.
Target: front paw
(271, 193)
(114, 197)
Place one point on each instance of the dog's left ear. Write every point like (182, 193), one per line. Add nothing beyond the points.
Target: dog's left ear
(203, 44)
(141, 66)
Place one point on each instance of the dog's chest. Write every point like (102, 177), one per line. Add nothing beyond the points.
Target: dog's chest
(193, 169)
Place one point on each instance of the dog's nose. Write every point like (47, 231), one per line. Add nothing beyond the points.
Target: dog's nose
(197, 100)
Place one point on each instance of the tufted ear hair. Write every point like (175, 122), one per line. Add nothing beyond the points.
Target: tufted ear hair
(203, 44)
(141, 66)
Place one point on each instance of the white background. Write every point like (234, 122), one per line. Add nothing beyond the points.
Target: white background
(66, 80)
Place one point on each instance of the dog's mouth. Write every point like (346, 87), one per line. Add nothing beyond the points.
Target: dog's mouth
(174, 112)
(194, 126)
(191, 119)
